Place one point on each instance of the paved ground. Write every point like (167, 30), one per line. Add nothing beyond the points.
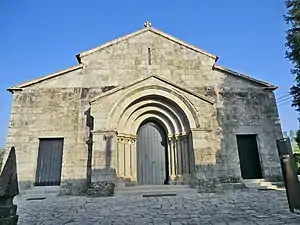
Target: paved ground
(239, 207)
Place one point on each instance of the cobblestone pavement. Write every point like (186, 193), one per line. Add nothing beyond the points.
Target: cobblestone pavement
(239, 207)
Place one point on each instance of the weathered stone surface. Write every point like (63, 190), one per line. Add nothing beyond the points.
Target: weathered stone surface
(207, 185)
(236, 207)
(60, 107)
(74, 187)
(220, 184)
(101, 189)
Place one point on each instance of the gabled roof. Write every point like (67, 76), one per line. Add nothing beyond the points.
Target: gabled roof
(151, 29)
(147, 78)
(47, 77)
(240, 75)
(156, 31)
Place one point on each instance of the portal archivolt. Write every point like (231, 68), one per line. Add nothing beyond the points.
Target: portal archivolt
(172, 113)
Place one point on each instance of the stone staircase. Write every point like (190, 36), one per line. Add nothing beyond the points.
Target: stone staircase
(262, 184)
(42, 192)
(154, 190)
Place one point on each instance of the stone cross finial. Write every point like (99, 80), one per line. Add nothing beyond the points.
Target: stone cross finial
(147, 24)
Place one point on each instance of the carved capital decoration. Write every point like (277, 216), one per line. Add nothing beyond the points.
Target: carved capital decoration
(126, 138)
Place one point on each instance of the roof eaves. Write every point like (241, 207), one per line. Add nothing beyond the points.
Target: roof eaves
(267, 85)
(178, 41)
(112, 42)
(61, 72)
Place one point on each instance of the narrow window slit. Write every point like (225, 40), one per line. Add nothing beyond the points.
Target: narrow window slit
(149, 56)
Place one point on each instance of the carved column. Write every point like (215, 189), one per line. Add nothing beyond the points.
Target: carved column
(178, 150)
(174, 142)
(126, 157)
(121, 157)
(183, 154)
(133, 159)
(172, 157)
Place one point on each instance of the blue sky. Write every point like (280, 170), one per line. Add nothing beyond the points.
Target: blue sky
(40, 37)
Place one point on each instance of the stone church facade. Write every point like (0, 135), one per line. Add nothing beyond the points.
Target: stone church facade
(144, 109)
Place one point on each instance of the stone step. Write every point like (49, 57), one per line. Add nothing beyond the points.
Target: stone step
(262, 184)
(254, 180)
(154, 190)
(259, 184)
(156, 187)
(41, 191)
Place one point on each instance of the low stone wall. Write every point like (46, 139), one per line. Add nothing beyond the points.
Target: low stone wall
(82, 188)
(216, 185)
(101, 189)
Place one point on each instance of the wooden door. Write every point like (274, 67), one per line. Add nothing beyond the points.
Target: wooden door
(48, 172)
(151, 154)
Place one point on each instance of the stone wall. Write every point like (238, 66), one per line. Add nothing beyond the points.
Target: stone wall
(249, 111)
(60, 107)
(46, 113)
(245, 106)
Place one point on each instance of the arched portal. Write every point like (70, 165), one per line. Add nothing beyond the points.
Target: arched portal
(140, 156)
(152, 153)
(144, 118)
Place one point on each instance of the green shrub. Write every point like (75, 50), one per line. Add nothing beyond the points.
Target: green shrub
(297, 159)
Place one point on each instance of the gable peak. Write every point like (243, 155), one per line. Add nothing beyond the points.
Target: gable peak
(147, 28)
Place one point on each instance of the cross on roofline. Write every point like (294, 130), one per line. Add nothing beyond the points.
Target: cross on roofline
(147, 24)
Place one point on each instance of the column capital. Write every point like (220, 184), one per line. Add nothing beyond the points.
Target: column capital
(170, 136)
(174, 137)
(126, 138)
(177, 135)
